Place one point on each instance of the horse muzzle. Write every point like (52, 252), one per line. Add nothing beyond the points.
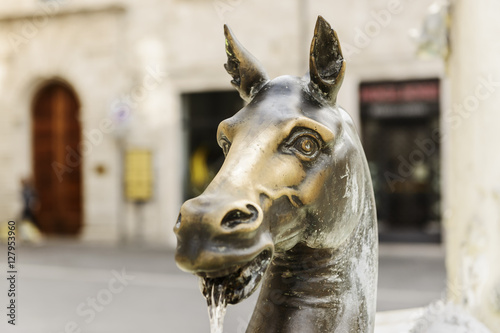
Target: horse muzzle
(217, 237)
(224, 241)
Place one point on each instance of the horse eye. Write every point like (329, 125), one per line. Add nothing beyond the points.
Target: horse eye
(225, 145)
(306, 145)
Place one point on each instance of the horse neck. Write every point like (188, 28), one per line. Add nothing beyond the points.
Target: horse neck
(322, 290)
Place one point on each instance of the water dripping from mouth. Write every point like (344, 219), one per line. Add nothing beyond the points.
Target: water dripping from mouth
(215, 294)
(233, 288)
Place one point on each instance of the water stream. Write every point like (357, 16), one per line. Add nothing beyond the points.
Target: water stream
(216, 300)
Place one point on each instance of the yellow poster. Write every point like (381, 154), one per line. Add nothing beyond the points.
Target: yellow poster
(138, 175)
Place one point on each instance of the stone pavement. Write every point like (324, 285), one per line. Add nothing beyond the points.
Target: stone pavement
(66, 286)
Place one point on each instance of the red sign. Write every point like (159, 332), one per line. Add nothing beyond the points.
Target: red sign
(400, 92)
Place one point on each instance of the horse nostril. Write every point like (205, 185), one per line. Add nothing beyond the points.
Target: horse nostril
(237, 217)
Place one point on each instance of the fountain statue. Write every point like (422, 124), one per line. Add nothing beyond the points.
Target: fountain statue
(292, 206)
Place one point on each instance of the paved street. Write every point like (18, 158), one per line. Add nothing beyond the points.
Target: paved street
(65, 287)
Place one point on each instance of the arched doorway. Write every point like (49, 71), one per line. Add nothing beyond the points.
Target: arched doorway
(57, 163)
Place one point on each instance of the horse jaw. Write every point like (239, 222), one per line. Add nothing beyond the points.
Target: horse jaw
(322, 290)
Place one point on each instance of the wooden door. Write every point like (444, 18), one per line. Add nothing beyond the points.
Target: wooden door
(57, 160)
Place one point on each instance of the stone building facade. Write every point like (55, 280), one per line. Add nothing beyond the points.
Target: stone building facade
(128, 63)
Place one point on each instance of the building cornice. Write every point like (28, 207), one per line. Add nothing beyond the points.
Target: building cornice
(61, 12)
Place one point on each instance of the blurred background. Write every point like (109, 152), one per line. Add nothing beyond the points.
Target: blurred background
(108, 115)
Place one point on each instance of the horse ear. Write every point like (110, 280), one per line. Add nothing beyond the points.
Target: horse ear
(326, 63)
(247, 73)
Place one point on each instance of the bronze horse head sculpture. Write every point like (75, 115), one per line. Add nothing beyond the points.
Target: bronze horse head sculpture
(293, 203)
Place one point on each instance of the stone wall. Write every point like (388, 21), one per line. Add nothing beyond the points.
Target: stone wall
(149, 52)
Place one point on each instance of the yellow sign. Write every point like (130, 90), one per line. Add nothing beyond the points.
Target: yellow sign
(138, 175)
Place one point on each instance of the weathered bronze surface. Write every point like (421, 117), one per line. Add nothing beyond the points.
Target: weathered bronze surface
(293, 194)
